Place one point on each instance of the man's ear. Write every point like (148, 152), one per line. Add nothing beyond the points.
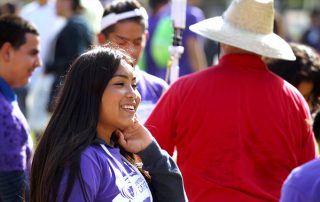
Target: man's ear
(5, 51)
(101, 38)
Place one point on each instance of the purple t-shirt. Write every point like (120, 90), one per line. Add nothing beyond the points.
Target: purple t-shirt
(303, 184)
(107, 177)
(15, 141)
(150, 88)
(101, 176)
(193, 15)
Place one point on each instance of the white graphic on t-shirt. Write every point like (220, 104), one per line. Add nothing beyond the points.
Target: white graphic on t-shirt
(132, 186)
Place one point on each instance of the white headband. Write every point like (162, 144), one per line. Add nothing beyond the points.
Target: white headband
(113, 18)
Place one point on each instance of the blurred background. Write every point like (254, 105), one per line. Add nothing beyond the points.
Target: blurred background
(294, 14)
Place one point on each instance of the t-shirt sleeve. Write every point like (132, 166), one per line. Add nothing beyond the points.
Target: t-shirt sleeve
(291, 194)
(91, 175)
(308, 145)
(166, 179)
(303, 183)
(292, 189)
(161, 122)
(308, 148)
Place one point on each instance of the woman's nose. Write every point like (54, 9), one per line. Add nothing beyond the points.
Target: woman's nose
(131, 92)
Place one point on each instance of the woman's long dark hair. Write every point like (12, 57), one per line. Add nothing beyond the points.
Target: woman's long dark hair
(72, 127)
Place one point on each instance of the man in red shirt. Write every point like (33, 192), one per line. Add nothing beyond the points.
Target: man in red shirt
(238, 128)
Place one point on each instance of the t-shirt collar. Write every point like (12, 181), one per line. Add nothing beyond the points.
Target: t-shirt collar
(112, 144)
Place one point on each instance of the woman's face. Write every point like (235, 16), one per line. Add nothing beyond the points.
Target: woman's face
(120, 100)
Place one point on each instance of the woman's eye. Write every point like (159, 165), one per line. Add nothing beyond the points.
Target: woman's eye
(134, 86)
(119, 84)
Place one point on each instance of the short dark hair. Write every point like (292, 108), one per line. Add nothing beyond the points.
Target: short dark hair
(306, 67)
(120, 7)
(14, 29)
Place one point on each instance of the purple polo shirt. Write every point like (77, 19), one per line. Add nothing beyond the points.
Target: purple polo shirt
(15, 141)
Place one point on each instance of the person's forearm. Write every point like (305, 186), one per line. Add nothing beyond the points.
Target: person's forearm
(196, 53)
(166, 179)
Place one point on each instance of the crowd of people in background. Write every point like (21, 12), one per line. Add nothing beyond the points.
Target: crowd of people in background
(86, 113)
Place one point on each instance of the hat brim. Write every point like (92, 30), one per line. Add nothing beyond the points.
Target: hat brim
(269, 45)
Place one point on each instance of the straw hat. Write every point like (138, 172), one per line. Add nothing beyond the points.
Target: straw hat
(247, 24)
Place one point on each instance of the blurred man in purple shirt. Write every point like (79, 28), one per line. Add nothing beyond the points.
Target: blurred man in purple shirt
(19, 56)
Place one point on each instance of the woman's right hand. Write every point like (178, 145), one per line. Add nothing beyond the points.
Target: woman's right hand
(135, 138)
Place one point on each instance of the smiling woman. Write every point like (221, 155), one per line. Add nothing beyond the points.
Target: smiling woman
(93, 133)
(120, 100)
